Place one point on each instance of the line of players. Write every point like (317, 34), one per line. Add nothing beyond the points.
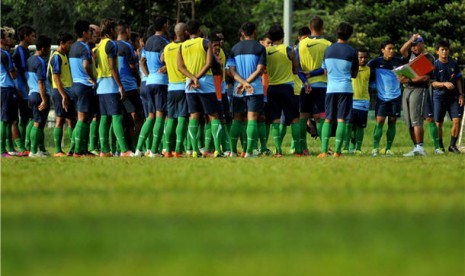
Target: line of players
(105, 82)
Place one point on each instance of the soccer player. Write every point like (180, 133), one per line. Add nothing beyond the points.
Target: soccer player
(248, 61)
(310, 55)
(27, 36)
(389, 95)
(7, 75)
(177, 103)
(80, 61)
(360, 106)
(447, 93)
(281, 66)
(157, 86)
(415, 93)
(128, 70)
(341, 64)
(39, 94)
(110, 90)
(61, 83)
(195, 59)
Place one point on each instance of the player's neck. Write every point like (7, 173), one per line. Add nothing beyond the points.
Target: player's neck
(24, 44)
(444, 59)
(4, 47)
(342, 41)
(122, 37)
(159, 33)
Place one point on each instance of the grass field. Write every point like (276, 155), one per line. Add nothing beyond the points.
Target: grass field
(357, 215)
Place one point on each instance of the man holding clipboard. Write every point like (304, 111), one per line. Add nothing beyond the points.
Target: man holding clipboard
(415, 94)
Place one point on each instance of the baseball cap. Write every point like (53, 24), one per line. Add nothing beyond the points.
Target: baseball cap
(418, 40)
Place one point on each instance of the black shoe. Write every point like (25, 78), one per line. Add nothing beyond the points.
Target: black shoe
(454, 149)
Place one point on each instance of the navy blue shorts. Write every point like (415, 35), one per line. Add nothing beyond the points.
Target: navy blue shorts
(313, 103)
(132, 102)
(389, 108)
(25, 110)
(177, 104)
(110, 104)
(57, 103)
(446, 103)
(239, 105)
(359, 118)
(338, 106)
(428, 110)
(206, 103)
(84, 97)
(281, 100)
(225, 109)
(34, 102)
(8, 106)
(144, 97)
(158, 96)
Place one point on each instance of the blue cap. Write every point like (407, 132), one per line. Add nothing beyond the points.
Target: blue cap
(418, 40)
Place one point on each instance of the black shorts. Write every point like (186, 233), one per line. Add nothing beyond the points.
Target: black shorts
(389, 108)
(177, 104)
(158, 96)
(282, 101)
(84, 97)
(338, 106)
(34, 102)
(359, 118)
(206, 103)
(133, 102)
(9, 108)
(110, 104)
(57, 103)
(313, 103)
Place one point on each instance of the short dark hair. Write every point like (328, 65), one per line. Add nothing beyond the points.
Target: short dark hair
(214, 38)
(134, 36)
(25, 30)
(81, 26)
(159, 22)
(264, 36)
(193, 26)
(316, 23)
(276, 32)
(63, 37)
(362, 50)
(442, 43)
(386, 43)
(344, 31)
(121, 26)
(248, 28)
(107, 25)
(148, 32)
(304, 31)
(43, 42)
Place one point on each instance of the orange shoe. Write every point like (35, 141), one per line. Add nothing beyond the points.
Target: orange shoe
(60, 154)
(278, 155)
(127, 154)
(167, 155)
(243, 154)
(177, 155)
(322, 155)
(298, 155)
(337, 155)
(77, 155)
(106, 154)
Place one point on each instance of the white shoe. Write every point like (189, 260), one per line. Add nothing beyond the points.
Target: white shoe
(39, 154)
(410, 153)
(227, 154)
(44, 152)
(155, 155)
(94, 152)
(375, 152)
(420, 152)
(389, 153)
(438, 152)
(138, 153)
(188, 152)
(202, 151)
(248, 155)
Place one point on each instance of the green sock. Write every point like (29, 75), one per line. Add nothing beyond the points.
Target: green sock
(303, 133)
(262, 135)
(181, 130)
(390, 134)
(377, 133)
(71, 139)
(193, 133)
(283, 131)
(359, 133)
(103, 133)
(93, 135)
(9, 139)
(169, 131)
(147, 128)
(33, 139)
(296, 137)
(340, 133)
(325, 134)
(207, 136)
(319, 128)
(276, 133)
(216, 130)
(157, 133)
(27, 140)
(41, 139)
(236, 130)
(252, 134)
(347, 135)
(19, 144)
(244, 136)
(434, 134)
(78, 139)
(267, 133)
(23, 125)
(57, 137)
(117, 121)
(3, 126)
(225, 139)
